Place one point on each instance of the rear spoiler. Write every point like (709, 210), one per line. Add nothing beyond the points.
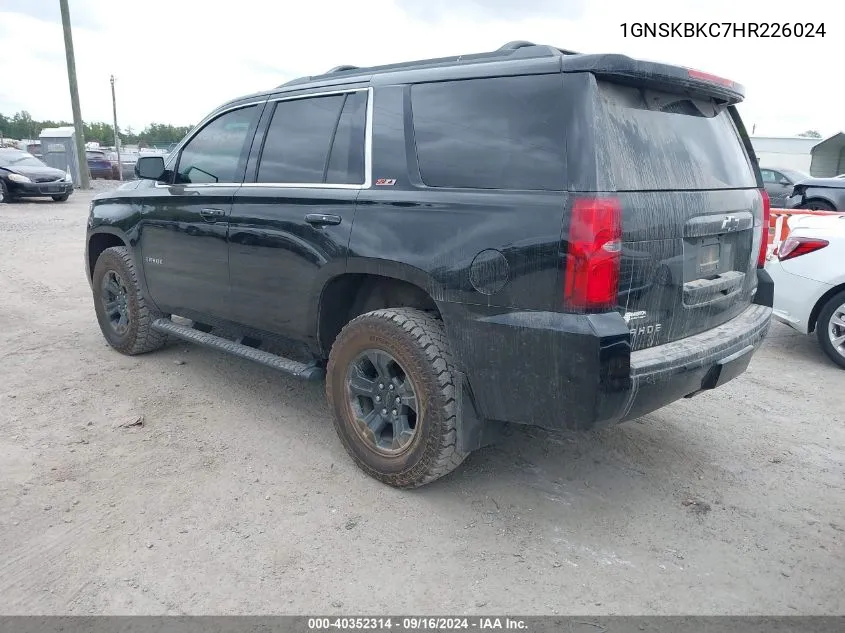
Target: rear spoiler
(624, 69)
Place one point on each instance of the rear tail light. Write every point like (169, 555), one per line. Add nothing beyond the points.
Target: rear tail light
(594, 254)
(764, 229)
(796, 246)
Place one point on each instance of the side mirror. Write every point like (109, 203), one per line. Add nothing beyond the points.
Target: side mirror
(150, 167)
(784, 182)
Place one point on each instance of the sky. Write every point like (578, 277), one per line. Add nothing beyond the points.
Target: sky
(176, 60)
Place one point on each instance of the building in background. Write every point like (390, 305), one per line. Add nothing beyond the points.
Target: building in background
(821, 158)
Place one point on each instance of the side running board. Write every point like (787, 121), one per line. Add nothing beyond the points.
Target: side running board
(309, 371)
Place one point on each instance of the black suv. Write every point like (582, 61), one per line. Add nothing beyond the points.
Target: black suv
(528, 235)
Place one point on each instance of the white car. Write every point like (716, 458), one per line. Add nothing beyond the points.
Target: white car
(808, 269)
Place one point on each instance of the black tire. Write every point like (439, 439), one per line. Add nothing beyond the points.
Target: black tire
(817, 205)
(135, 335)
(4, 193)
(61, 198)
(826, 327)
(417, 343)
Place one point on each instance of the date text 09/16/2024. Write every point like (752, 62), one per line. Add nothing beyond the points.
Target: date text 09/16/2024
(416, 623)
(722, 29)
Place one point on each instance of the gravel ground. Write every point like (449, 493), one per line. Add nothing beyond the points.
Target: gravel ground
(235, 496)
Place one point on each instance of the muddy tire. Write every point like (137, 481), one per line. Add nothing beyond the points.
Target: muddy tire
(830, 328)
(124, 314)
(389, 384)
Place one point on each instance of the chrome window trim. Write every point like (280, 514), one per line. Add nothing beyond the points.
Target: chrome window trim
(368, 147)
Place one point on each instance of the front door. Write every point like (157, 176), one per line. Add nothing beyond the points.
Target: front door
(778, 186)
(290, 227)
(185, 221)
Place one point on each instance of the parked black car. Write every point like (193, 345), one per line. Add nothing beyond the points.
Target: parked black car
(527, 235)
(820, 194)
(24, 176)
(779, 183)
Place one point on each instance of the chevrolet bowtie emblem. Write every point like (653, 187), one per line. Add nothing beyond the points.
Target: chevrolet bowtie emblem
(730, 223)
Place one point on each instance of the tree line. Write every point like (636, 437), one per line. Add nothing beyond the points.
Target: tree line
(21, 125)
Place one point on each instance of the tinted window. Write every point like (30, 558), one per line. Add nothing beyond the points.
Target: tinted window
(346, 163)
(215, 153)
(501, 133)
(298, 140)
(657, 141)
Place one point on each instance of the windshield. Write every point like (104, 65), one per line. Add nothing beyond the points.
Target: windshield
(19, 159)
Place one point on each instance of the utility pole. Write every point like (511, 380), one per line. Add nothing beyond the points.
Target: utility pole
(74, 97)
(116, 137)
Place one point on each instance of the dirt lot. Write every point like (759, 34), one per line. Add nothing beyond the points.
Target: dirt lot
(235, 496)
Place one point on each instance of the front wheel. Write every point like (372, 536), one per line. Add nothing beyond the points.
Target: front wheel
(830, 328)
(390, 386)
(61, 198)
(123, 312)
(817, 205)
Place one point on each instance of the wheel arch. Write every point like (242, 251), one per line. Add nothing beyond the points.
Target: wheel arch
(817, 197)
(814, 314)
(97, 243)
(350, 294)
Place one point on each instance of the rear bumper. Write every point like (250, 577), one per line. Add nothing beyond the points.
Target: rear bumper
(578, 372)
(663, 374)
(40, 189)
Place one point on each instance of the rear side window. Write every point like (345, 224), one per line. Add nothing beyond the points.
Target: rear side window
(496, 133)
(661, 141)
(316, 140)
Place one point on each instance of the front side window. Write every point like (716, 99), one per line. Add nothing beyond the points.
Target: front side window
(316, 140)
(492, 133)
(216, 153)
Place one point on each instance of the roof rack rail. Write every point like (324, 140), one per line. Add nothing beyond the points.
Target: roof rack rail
(517, 44)
(512, 46)
(506, 50)
(338, 69)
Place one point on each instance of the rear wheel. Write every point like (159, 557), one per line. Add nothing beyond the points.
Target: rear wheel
(830, 328)
(4, 192)
(389, 384)
(123, 312)
(817, 205)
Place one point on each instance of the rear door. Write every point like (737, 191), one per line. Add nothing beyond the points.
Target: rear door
(691, 209)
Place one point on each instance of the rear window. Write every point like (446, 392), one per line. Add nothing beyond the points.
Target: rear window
(498, 133)
(661, 141)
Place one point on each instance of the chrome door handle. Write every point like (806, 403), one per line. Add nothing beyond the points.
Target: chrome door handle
(322, 219)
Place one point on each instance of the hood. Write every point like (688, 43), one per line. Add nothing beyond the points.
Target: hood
(36, 171)
(129, 185)
(836, 183)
